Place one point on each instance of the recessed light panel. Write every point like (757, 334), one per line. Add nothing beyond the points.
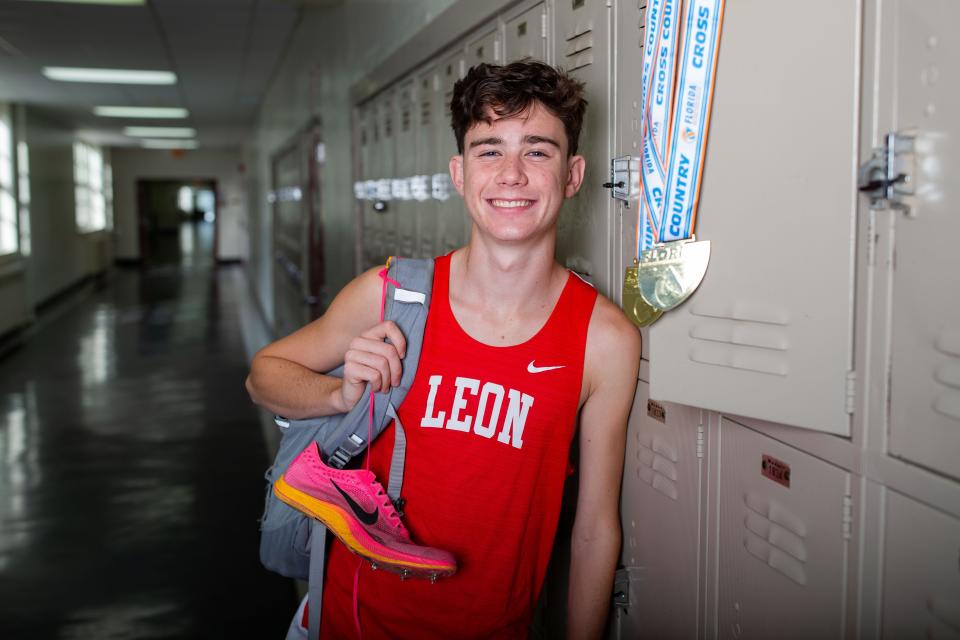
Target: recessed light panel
(110, 76)
(118, 2)
(160, 132)
(140, 112)
(168, 144)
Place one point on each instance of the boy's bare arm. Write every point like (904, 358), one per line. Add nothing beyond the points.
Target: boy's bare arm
(612, 362)
(287, 377)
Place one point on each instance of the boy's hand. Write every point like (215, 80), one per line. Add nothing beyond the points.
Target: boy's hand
(370, 359)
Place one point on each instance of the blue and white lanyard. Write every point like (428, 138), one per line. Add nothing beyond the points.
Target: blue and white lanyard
(672, 167)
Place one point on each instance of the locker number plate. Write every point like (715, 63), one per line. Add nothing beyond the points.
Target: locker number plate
(776, 470)
(657, 411)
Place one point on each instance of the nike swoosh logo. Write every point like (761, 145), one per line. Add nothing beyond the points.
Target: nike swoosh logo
(532, 368)
(368, 518)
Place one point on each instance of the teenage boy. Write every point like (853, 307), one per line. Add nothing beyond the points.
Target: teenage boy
(517, 350)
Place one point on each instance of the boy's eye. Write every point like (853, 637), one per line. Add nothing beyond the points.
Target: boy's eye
(490, 152)
(538, 154)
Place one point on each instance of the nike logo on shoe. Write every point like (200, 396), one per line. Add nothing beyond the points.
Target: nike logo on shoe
(532, 368)
(368, 518)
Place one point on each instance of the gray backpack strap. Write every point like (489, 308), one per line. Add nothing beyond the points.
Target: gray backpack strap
(408, 306)
(397, 461)
(318, 543)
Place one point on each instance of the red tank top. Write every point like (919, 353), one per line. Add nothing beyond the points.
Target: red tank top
(488, 440)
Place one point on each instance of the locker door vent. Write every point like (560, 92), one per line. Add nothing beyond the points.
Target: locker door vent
(658, 465)
(425, 113)
(947, 402)
(775, 536)
(579, 52)
(741, 338)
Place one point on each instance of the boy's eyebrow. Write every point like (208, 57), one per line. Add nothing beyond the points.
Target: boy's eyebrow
(483, 141)
(541, 139)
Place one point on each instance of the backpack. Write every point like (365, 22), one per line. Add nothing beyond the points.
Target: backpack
(293, 544)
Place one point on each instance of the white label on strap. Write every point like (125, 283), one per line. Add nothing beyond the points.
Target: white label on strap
(405, 295)
(691, 121)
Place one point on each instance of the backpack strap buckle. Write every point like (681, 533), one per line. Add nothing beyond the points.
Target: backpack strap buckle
(347, 450)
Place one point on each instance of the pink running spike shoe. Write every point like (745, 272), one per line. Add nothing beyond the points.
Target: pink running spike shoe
(355, 507)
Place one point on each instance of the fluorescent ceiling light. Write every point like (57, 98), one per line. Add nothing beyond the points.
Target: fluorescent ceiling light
(126, 2)
(114, 76)
(160, 132)
(168, 144)
(140, 112)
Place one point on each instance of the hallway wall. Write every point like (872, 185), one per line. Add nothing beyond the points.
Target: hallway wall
(60, 255)
(332, 49)
(131, 164)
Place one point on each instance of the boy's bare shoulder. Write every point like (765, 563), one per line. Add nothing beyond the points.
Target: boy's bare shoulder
(613, 343)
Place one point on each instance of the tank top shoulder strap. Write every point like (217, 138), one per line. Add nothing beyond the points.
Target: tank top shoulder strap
(572, 313)
(440, 296)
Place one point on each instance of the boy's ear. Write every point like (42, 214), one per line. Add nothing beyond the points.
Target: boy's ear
(456, 173)
(576, 165)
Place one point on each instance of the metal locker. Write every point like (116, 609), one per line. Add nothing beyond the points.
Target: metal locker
(660, 511)
(365, 125)
(430, 109)
(485, 48)
(405, 165)
(453, 225)
(583, 233)
(925, 366)
(921, 582)
(629, 32)
(526, 35)
(769, 333)
(784, 529)
(372, 217)
(385, 225)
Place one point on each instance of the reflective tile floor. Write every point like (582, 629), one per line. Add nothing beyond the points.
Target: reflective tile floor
(131, 464)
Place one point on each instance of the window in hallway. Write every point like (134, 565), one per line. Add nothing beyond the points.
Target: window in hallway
(23, 195)
(91, 177)
(8, 208)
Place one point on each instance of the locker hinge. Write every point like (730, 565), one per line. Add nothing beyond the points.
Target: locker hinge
(851, 394)
(847, 516)
(701, 441)
(888, 177)
(543, 25)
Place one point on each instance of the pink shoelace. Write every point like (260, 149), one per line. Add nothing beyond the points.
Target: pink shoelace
(356, 574)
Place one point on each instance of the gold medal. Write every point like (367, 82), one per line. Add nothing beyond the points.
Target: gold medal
(668, 273)
(636, 308)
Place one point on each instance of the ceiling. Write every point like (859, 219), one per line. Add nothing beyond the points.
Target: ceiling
(224, 53)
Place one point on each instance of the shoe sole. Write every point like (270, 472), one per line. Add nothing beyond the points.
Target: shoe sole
(341, 524)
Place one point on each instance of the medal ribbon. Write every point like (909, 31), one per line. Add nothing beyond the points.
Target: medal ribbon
(691, 119)
(656, 96)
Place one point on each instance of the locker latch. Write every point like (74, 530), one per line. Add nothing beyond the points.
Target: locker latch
(624, 178)
(887, 178)
(621, 589)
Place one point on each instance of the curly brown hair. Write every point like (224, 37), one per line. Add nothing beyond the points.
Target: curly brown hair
(511, 89)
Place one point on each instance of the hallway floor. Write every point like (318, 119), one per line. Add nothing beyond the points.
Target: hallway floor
(131, 465)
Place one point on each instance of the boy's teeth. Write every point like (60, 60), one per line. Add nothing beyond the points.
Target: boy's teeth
(510, 203)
